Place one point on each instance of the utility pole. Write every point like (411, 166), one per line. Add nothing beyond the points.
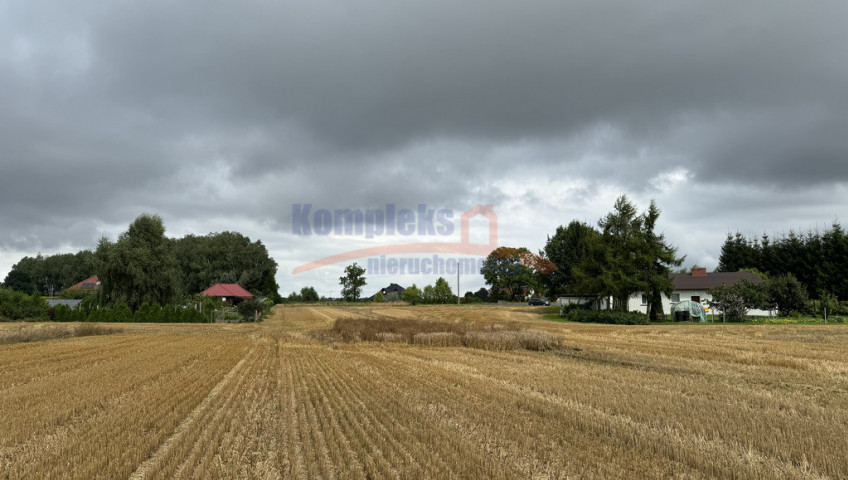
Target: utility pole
(457, 285)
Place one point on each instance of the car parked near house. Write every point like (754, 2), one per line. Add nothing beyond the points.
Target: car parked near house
(539, 301)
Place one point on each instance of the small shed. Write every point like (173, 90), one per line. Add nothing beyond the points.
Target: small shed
(232, 293)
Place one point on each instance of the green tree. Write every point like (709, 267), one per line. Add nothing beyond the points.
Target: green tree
(15, 305)
(352, 282)
(412, 295)
(226, 257)
(308, 294)
(50, 274)
(787, 294)
(427, 295)
(442, 292)
(569, 249)
(507, 273)
(294, 297)
(378, 297)
(654, 260)
(139, 267)
(829, 303)
(621, 233)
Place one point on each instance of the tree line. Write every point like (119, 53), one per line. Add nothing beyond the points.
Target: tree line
(623, 255)
(144, 267)
(816, 259)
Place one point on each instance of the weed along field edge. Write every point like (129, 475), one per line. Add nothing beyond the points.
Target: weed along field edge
(383, 391)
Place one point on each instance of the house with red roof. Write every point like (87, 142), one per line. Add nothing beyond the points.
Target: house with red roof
(232, 293)
(91, 284)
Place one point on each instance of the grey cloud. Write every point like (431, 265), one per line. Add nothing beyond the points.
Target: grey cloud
(242, 109)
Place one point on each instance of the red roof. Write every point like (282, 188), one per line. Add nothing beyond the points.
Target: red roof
(227, 290)
(91, 283)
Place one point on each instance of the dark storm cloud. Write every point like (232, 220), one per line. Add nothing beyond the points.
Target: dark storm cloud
(240, 109)
(369, 76)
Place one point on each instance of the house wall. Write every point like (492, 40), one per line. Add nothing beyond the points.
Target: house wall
(634, 303)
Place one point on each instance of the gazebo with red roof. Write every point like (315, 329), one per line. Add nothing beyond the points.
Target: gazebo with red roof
(232, 293)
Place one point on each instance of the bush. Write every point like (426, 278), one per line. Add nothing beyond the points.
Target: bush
(121, 313)
(564, 310)
(146, 313)
(64, 313)
(247, 309)
(18, 306)
(733, 307)
(606, 316)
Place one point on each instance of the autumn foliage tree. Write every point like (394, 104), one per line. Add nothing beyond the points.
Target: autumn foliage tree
(512, 272)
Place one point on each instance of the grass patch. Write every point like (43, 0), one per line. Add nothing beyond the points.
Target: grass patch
(441, 334)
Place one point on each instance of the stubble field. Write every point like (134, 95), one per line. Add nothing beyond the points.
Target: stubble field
(295, 398)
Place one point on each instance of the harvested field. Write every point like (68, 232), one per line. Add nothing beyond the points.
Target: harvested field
(404, 392)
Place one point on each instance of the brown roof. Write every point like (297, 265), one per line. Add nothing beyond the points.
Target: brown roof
(687, 281)
(91, 283)
(227, 290)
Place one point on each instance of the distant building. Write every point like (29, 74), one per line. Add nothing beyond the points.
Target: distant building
(91, 284)
(694, 286)
(393, 288)
(232, 293)
(72, 303)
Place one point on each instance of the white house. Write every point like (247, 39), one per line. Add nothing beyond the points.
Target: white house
(694, 286)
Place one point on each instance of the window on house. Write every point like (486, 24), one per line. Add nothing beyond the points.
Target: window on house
(675, 297)
(644, 299)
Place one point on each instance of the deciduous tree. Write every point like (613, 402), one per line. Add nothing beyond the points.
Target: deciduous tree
(352, 282)
(139, 267)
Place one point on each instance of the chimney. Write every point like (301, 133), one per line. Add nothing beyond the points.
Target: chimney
(699, 272)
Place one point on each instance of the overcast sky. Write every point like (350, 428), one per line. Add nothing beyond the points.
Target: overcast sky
(222, 115)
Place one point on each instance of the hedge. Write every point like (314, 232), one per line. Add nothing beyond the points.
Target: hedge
(606, 316)
(122, 313)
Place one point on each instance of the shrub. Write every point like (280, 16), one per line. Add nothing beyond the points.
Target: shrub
(564, 310)
(146, 313)
(64, 313)
(190, 315)
(733, 307)
(18, 306)
(121, 313)
(607, 316)
(247, 309)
